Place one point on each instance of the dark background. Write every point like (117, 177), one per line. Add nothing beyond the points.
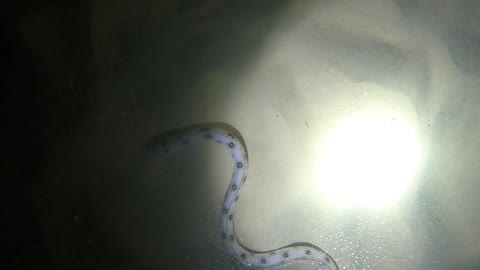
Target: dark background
(50, 94)
(37, 112)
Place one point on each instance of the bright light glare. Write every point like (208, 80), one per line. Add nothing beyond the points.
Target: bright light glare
(369, 161)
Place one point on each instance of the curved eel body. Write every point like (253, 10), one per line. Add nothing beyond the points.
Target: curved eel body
(173, 141)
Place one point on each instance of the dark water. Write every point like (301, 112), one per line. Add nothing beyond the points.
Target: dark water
(66, 204)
